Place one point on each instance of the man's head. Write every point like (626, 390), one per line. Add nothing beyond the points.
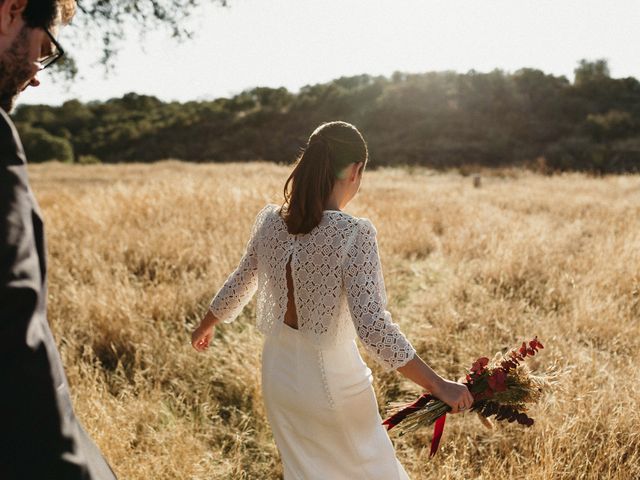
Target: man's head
(24, 41)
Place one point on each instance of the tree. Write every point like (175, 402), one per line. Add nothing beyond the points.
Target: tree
(610, 126)
(41, 146)
(109, 19)
(588, 72)
(438, 119)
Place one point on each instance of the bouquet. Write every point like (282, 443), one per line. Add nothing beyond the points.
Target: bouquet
(503, 387)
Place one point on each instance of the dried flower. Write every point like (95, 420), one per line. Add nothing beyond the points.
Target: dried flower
(500, 388)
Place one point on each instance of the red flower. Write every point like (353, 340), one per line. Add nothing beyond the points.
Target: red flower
(523, 349)
(498, 381)
(479, 365)
(483, 395)
(507, 365)
(516, 356)
(535, 344)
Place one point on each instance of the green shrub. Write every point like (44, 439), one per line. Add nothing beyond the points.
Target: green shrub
(41, 146)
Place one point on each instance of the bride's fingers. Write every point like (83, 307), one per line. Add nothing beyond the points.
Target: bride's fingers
(469, 404)
(199, 342)
(203, 342)
(468, 401)
(461, 407)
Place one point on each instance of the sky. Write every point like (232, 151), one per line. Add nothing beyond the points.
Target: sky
(292, 43)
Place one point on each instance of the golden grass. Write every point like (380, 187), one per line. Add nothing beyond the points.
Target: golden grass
(136, 252)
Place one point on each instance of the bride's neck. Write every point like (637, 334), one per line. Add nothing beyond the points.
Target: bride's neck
(334, 202)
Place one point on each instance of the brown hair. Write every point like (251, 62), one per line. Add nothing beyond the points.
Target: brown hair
(330, 148)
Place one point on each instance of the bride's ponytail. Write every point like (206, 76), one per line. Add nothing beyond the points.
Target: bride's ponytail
(331, 148)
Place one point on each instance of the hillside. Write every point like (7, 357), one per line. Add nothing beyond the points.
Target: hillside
(437, 119)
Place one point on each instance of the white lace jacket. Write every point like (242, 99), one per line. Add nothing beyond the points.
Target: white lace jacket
(338, 284)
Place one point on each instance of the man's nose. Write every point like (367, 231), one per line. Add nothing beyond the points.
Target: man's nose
(34, 82)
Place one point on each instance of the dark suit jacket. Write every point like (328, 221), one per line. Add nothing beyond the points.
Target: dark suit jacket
(40, 437)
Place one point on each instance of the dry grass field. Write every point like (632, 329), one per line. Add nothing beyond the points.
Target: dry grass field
(137, 251)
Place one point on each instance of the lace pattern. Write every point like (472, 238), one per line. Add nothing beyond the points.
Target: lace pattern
(241, 285)
(338, 284)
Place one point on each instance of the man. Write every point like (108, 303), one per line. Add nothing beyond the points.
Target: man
(40, 437)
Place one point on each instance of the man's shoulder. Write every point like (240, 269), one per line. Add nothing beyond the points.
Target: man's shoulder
(7, 128)
(11, 152)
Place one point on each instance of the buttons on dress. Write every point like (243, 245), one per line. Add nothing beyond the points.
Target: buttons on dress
(325, 384)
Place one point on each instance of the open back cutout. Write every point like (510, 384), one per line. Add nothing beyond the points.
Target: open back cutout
(290, 316)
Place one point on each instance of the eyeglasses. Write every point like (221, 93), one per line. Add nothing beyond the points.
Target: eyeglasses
(54, 56)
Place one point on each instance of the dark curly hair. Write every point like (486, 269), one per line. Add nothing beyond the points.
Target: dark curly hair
(43, 13)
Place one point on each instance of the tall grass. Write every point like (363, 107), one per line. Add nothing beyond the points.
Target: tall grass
(137, 251)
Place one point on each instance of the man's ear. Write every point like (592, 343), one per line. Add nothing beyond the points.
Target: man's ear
(11, 15)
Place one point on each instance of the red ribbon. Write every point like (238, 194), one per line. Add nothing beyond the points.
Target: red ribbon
(396, 418)
(438, 428)
(437, 434)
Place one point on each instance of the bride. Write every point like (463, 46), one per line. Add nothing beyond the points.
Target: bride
(317, 273)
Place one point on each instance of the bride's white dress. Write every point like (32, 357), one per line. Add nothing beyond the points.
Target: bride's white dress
(317, 389)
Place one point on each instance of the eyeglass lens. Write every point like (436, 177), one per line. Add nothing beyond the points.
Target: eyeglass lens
(56, 51)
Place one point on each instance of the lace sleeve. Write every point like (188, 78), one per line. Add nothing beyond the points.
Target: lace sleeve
(243, 282)
(367, 300)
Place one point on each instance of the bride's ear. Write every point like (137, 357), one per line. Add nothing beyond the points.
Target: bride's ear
(355, 171)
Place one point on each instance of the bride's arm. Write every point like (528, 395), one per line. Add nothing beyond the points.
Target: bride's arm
(367, 300)
(201, 336)
(454, 394)
(236, 291)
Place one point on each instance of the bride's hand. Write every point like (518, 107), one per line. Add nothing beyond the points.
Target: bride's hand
(454, 394)
(202, 335)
